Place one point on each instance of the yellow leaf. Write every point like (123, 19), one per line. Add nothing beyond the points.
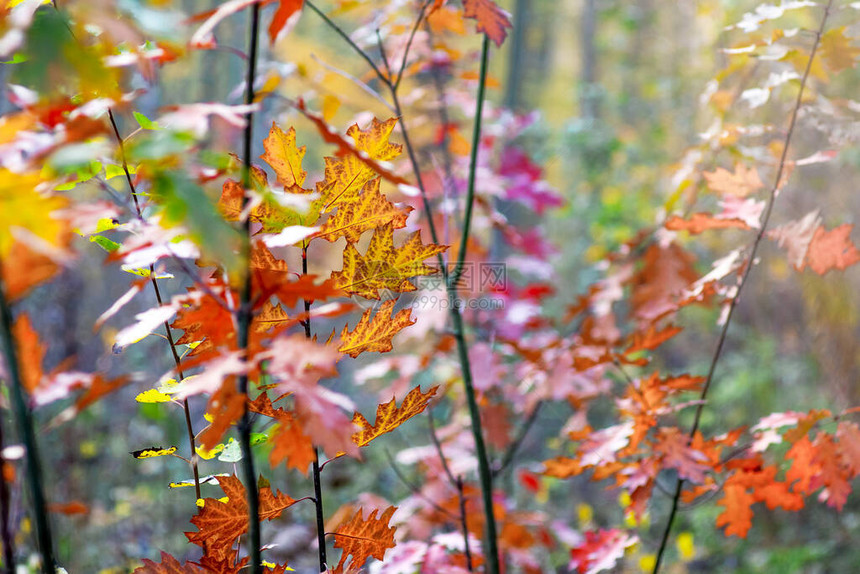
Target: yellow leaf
(836, 51)
(383, 266)
(330, 106)
(346, 176)
(389, 416)
(154, 451)
(369, 211)
(375, 334)
(23, 207)
(285, 158)
(741, 183)
(152, 396)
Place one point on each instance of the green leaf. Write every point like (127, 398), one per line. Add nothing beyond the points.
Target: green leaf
(145, 122)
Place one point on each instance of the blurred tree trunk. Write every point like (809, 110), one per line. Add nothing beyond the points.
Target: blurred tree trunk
(589, 97)
(518, 55)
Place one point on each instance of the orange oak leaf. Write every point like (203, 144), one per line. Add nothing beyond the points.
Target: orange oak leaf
(284, 156)
(389, 416)
(832, 249)
(492, 20)
(804, 466)
(677, 452)
(651, 339)
(30, 352)
(383, 266)
(169, 565)
(24, 269)
(220, 523)
(737, 516)
(291, 445)
(286, 10)
(741, 183)
(563, 467)
(375, 334)
(700, 222)
(665, 273)
(370, 210)
(833, 474)
(362, 539)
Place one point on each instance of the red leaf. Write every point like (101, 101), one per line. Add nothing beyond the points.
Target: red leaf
(492, 20)
(286, 10)
(832, 249)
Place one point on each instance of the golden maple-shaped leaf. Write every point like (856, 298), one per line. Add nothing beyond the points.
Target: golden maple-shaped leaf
(371, 210)
(361, 539)
(389, 416)
(169, 565)
(346, 176)
(383, 266)
(836, 51)
(375, 334)
(285, 158)
(220, 523)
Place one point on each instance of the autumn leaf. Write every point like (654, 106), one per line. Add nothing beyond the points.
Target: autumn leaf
(282, 154)
(833, 249)
(362, 539)
(169, 565)
(153, 451)
(291, 445)
(741, 183)
(25, 268)
(700, 222)
(651, 339)
(358, 149)
(383, 266)
(737, 516)
(370, 210)
(836, 50)
(346, 176)
(492, 20)
(389, 416)
(221, 523)
(375, 334)
(286, 9)
(30, 352)
(600, 550)
(23, 207)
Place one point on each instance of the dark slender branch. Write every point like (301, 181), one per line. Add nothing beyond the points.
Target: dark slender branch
(244, 313)
(27, 435)
(189, 427)
(742, 283)
(5, 510)
(438, 445)
(508, 458)
(317, 469)
(399, 77)
(485, 475)
(358, 50)
(463, 524)
(417, 491)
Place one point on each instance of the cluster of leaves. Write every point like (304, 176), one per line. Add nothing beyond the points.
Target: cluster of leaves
(259, 277)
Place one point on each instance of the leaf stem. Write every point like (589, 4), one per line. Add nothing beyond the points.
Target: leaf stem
(27, 435)
(244, 312)
(743, 281)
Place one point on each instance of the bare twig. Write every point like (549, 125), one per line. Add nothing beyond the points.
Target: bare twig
(746, 273)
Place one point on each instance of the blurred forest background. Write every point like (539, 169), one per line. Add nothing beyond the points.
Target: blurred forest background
(616, 86)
